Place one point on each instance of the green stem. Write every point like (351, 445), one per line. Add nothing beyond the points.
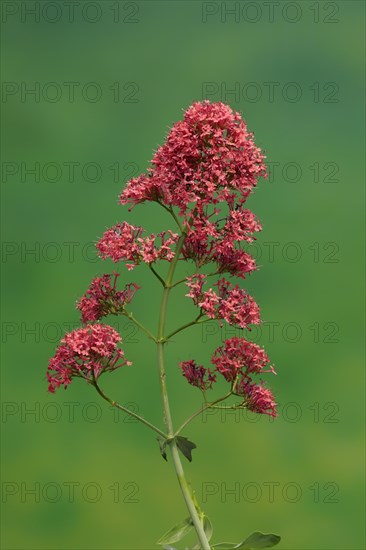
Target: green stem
(138, 324)
(167, 414)
(157, 275)
(195, 322)
(127, 411)
(172, 213)
(179, 282)
(199, 411)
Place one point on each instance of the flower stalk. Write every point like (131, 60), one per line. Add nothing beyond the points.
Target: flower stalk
(191, 506)
(126, 410)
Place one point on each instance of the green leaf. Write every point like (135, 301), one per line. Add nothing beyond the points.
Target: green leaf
(259, 540)
(177, 532)
(207, 527)
(185, 446)
(162, 445)
(255, 541)
(225, 545)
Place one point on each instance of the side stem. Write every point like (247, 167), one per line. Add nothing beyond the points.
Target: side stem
(126, 410)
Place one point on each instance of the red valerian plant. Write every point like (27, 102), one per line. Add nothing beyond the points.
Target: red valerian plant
(202, 176)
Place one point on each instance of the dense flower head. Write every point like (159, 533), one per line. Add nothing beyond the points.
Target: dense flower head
(120, 242)
(258, 398)
(86, 353)
(235, 261)
(239, 357)
(102, 298)
(231, 303)
(197, 375)
(125, 242)
(208, 157)
(240, 226)
(202, 235)
(218, 240)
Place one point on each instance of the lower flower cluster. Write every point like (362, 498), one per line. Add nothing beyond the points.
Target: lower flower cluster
(85, 353)
(237, 360)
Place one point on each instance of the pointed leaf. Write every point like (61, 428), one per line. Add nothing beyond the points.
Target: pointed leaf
(185, 446)
(162, 445)
(207, 527)
(255, 541)
(177, 532)
(259, 540)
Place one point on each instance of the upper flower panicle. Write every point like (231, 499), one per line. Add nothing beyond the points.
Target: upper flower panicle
(208, 157)
(86, 353)
(102, 298)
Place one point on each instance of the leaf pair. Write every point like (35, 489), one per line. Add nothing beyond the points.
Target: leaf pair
(179, 531)
(255, 541)
(184, 445)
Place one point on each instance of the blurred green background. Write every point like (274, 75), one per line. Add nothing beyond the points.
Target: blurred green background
(294, 70)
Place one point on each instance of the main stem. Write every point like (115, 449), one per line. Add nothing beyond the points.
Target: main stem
(167, 414)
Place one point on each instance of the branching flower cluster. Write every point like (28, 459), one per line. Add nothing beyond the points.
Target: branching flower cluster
(202, 176)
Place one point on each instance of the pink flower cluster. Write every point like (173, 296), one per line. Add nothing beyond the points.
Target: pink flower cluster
(237, 360)
(208, 157)
(208, 242)
(85, 352)
(231, 303)
(197, 375)
(258, 398)
(103, 299)
(125, 242)
(239, 357)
